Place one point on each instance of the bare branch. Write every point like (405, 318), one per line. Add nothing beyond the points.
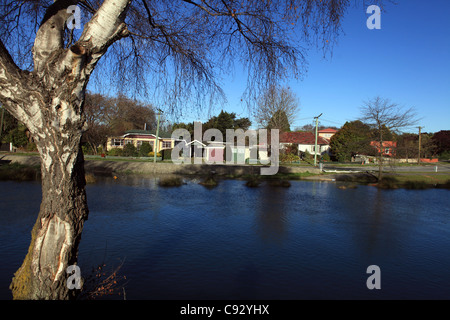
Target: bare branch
(380, 112)
(277, 108)
(14, 90)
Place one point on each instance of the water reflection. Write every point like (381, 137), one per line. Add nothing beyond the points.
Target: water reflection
(311, 240)
(271, 213)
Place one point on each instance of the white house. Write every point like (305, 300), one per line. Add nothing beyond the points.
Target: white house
(305, 141)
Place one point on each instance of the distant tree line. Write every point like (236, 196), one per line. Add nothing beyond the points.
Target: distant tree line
(225, 120)
(105, 116)
(112, 116)
(355, 136)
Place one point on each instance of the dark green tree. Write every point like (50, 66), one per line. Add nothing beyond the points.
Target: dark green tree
(442, 141)
(181, 125)
(144, 149)
(129, 150)
(242, 123)
(224, 121)
(279, 121)
(353, 138)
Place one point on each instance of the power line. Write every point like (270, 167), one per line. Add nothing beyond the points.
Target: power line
(338, 123)
(326, 120)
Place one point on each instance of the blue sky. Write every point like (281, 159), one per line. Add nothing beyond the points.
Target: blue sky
(406, 61)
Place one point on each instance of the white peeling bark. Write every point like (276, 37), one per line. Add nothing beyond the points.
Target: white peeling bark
(49, 101)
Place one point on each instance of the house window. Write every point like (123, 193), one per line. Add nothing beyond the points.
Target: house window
(139, 143)
(117, 142)
(167, 144)
(386, 150)
(128, 141)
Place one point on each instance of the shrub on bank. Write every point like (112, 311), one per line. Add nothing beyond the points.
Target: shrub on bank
(167, 154)
(144, 149)
(170, 182)
(115, 152)
(209, 182)
(289, 157)
(90, 178)
(444, 156)
(152, 154)
(253, 182)
(129, 150)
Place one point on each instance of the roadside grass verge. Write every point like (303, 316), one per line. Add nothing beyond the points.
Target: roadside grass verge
(278, 176)
(415, 181)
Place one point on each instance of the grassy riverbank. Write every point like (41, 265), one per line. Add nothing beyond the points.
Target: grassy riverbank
(22, 172)
(415, 181)
(392, 180)
(19, 172)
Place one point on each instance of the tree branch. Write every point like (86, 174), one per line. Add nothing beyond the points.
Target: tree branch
(105, 27)
(50, 36)
(16, 92)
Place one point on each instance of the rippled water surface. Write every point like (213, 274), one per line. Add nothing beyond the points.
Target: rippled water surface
(310, 241)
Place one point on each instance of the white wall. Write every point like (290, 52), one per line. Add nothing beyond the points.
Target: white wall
(307, 147)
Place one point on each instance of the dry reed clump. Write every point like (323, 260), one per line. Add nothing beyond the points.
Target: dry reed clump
(90, 178)
(170, 182)
(101, 283)
(253, 182)
(19, 172)
(279, 183)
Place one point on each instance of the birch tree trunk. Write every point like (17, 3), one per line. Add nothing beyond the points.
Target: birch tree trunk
(57, 231)
(49, 101)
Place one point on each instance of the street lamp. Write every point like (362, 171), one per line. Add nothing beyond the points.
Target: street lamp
(157, 134)
(315, 145)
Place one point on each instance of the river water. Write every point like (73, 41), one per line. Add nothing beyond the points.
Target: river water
(312, 240)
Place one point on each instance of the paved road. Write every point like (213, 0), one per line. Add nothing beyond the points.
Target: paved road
(417, 168)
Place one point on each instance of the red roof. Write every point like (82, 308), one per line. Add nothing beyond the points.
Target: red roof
(302, 138)
(385, 143)
(327, 130)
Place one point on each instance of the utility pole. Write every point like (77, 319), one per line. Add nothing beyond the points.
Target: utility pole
(420, 144)
(157, 137)
(315, 145)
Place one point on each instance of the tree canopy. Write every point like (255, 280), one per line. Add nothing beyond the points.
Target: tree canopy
(442, 141)
(353, 138)
(223, 121)
(277, 108)
(175, 53)
(112, 116)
